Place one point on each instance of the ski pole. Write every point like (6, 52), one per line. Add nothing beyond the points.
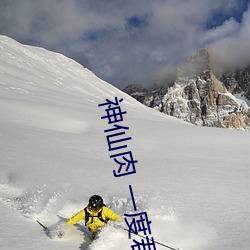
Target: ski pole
(157, 242)
(45, 228)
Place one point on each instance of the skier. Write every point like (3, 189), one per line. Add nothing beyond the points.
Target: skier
(95, 214)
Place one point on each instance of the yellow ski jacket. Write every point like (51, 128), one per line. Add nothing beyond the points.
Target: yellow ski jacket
(94, 223)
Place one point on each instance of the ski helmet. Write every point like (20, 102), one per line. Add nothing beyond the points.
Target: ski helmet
(95, 202)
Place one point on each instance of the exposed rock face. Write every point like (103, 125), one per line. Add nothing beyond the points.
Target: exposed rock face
(237, 81)
(137, 91)
(199, 97)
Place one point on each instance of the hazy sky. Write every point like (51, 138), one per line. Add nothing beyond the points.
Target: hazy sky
(131, 41)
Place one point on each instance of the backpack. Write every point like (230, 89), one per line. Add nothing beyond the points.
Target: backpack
(99, 216)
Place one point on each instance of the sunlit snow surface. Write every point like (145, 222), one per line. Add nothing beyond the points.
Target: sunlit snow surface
(193, 182)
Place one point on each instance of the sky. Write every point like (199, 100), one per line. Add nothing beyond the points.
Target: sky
(132, 41)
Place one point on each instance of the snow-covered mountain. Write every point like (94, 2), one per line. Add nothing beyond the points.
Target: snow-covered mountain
(201, 95)
(192, 181)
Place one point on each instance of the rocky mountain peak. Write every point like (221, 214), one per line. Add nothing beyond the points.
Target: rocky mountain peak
(200, 96)
(196, 64)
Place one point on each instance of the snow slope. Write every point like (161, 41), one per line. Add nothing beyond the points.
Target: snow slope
(193, 182)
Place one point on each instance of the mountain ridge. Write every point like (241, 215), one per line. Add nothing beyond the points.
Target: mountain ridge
(201, 95)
